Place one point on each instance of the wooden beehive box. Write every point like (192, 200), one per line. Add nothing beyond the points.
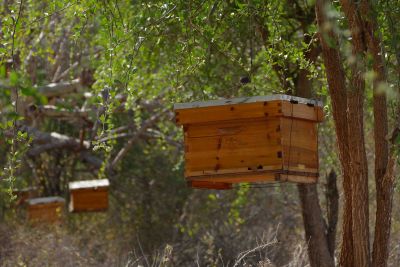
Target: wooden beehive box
(90, 195)
(45, 209)
(252, 139)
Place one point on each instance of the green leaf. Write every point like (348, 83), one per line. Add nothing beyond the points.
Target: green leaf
(28, 91)
(14, 78)
(3, 71)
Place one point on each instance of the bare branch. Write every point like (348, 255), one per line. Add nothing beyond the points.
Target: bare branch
(62, 75)
(61, 88)
(55, 112)
(50, 141)
(147, 124)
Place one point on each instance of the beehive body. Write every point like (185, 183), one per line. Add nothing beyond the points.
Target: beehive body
(89, 200)
(251, 140)
(45, 210)
(86, 196)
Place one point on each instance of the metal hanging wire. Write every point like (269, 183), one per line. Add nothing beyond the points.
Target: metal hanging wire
(290, 139)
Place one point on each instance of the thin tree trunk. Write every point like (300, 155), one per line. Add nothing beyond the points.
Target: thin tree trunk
(384, 185)
(315, 228)
(359, 173)
(359, 166)
(337, 90)
(332, 199)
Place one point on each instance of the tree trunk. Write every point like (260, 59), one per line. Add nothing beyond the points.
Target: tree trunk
(359, 166)
(337, 90)
(332, 199)
(359, 173)
(315, 228)
(384, 184)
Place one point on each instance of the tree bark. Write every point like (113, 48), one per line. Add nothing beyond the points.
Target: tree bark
(314, 227)
(383, 168)
(337, 90)
(359, 166)
(332, 200)
(319, 252)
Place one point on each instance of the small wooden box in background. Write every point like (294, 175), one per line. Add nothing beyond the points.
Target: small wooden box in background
(250, 139)
(45, 209)
(22, 195)
(90, 195)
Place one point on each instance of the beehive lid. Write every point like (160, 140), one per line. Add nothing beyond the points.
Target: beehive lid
(89, 184)
(44, 200)
(247, 100)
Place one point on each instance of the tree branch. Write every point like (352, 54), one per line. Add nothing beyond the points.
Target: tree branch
(60, 89)
(50, 141)
(147, 124)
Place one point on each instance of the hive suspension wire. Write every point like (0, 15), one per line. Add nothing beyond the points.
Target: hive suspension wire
(290, 139)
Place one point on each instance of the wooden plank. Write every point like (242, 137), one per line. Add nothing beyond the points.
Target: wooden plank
(302, 111)
(300, 157)
(88, 200)
(249, 111)
(245, 158)
(236, 177)
(245, 170)
(298, 178)
(228, 112)
(299, 133)
(300, 168)
(209, 185)
(230, 151)
(243, 127)
(300, 143)
(232, 143)
(45, 213)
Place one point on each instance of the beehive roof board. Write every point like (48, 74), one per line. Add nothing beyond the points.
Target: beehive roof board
(89, 184)
(246, 100)
(254, 107)
(44, 200)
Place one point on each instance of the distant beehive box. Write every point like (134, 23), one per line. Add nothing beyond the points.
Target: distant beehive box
(252, 139)
(22, 195)
(91, 195)
(45, 209)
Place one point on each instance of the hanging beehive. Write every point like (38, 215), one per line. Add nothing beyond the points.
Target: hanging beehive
(45, 209)
(252, 139)
(90, 195)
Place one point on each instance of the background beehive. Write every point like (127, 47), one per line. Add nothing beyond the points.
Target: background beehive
(251, 139)
(24, 194)
(45, 210)
(89, 195)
